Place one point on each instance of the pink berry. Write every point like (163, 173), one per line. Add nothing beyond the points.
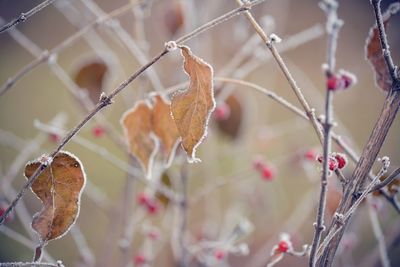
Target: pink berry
(98, 131)
(310, 154)
(54, 138)
(267, 173)
(283, 246)
(222, 112)
(143, 198)
(3, 208)
(341, 160)
(219, 254)
(333, 83)
(348, 79)
(139, 259)
(332, 164)
(152, 207)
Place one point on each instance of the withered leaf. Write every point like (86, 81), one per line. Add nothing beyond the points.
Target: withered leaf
(137, 125)
(231, 125)
(191, 109)
(164, 128)
(373, 51)
(90, 77)
(59, 188)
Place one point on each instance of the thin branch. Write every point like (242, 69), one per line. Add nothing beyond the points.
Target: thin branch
(29, 264)
(333, 26)
(182, 210)
(387, 180)
(63, 45)
(376, 227)
(24, 16)
(107, 100)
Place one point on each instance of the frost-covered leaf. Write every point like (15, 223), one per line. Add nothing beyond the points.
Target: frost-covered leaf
(164, 128)
(191, 109)
(373, 51)
(137, 125)
(59, 188)
(90, 77)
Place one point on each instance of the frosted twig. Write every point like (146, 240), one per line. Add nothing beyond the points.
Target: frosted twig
(24, 16)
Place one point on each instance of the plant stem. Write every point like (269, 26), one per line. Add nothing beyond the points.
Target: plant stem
(24, 16)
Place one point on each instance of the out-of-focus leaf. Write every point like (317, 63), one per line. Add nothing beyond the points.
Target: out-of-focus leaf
(59, 188)
(164, 127)
(166, 181)
(174, 18)
(231, 125)
(137, 125)
(191, 109)
(90, 77)
(373, 51)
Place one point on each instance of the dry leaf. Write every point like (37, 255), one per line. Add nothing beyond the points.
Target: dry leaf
(373, 51)
(90, 77)
(191, 109)
(137, 125)
(164, 128)
(231, 125)
(59, 188)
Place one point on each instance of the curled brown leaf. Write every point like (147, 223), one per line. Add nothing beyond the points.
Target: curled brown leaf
(59, 188)
(137, 125)
(191, 109)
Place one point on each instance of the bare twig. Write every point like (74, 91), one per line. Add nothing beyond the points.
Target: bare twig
(333, 26)
(24, 16)
(387, 180)
(376, 227)
(29, 264)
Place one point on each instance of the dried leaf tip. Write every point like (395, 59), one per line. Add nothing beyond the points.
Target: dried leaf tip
(59, 188)
(191, 109)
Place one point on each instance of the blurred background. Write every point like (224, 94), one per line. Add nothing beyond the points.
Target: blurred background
(225, 191)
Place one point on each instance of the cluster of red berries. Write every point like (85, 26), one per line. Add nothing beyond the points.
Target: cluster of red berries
(266, 170)
(222, 112)
(150, 204)
(335, 161)
(342, 80)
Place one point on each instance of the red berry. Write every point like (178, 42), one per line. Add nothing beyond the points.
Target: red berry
(143, 198)
(310, 154)
(348, 79)
(341, 160)
(283, 246)
(222, 111)
(3, 208)
(332, 164)
(54, 138)
(139, 259)
(98, 131)
(219, 254)
(333, 83)
(152, 207)
(267, 172)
